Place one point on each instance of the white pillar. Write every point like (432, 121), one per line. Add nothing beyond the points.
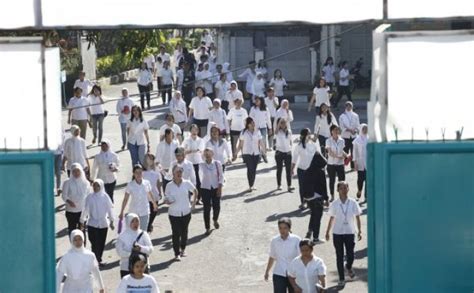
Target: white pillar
(323, 46)
(314, 64)
(223, 47)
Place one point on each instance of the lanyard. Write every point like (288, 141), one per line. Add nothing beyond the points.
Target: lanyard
(344, 212)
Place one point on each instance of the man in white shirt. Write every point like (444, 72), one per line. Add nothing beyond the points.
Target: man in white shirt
(105, 167)
(343, 211)
(249, 74)
(343, 88)
(150, 62)
(124, 111)
(349, 123)
(75, 151)
(166, 85)
(79, 111)
(83, 83)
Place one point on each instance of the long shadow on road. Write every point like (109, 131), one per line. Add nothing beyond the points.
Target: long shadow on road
(296, 213)
(263, 196)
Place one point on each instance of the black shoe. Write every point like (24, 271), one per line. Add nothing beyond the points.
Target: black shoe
(216, 224)
(308, 235)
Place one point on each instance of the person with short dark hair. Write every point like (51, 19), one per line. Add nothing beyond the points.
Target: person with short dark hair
(307, 272)
(124, 111)
(156, 182)
(79, 111)
(283, 148)
(97, 113)
(335, 149)
(83, 83)
(343, 88)
(145, 82)
(165, 154)
(199, 110)
(349, 122)
(283, 249)
(137, 279)
(170, 123)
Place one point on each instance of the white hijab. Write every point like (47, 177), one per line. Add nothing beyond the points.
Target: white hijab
(78, 185)
(361, 138)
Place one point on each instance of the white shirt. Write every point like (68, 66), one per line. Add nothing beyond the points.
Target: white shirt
(233, 95)
(258, 87)
(337, 147)
(79, 108)
(344, 77)
(302, 157)
(150, 61)
(180, 78)
(178, 109)
(188, 171)
(102, 164)
(125, 243)
(153, 177)
(218, 116)
(207, 82)
(136, 134)
(201, 107)
(222, 151)
(98, 210)
(349, 120)
(283, 251)
(222, 88)
(195, 145)
(322, 96)
(322, 127)
(360, 152)
(165, 153)
(175, 127)
(344, 214)
(283, 142)
(261, 118)
(164, 57)
(237, 118)
(272, 104)
(75, 191)
(145, 285)
(278, 84)
(144, 77)
(75, 151)
(124, 109)
(166, 76)
(139, 197)
(96, 103)
(328, 71)
(211, 175)
(250, 76)
(251, 145)
(282, 113)
(178, 197)
(85, 85)
(307, 276)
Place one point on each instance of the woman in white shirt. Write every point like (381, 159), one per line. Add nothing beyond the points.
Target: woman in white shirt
(360, 159)
(222, 152)
(179, 110)
(144, 80)
(262, 120)
(278, 83)
(124, 110)
(75, 191)
(180, 207)
(301, 158)
(221, 87)
(324, 120)
(252, 146)
(284, 112)
(207, 76)
(139, 190)
(156, 182)
(193, 149)
(106, 165)
(167, 78)
(272, 104)
(320, 95)
(132, 239)
(343, 87)
(284, 145)
(199, 110)
(137, 130)
(283, 249)
(218, 116)
(97, 113)
(258, 86)
(170, 124)
(307, 272)
(328, 72)
(165, 153)
(98, 215)
(138, 281)
(79, 266)
(336, 155)
(236, 117)
(234, 94)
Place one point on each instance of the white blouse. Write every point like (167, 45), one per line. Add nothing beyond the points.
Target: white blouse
(261, 118)
(307, 276)
(322, 127)
(196, 146)
(322, 96)
(302, 157)
(136, 133)
(178, 197)
(337, 148)
(237, 118)
(251, 142)
(139, 197)
(284, 142)
(278, 85)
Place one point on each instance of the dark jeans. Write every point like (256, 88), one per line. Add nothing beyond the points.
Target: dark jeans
(281, 284)
(198, 180)
(332, 171)
(361, 176)
(202, 124)
(137, 153)
(210, 199)
(341, 91)
(349, 147)
(153, 215)
(109, 189)
(316, 207)
(179, 228)
(251, 161)
(58, 162)
(300, 173)
(225, 106)
(283, 158)
(271, 138)
(144, 92)
(72, 221)
(98, 126)
(341, 241)
(97, 237)
(187, 94)
(166, 89)
(322, 144)
(234, 138)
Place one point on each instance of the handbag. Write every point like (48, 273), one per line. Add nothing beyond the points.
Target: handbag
(133, 254)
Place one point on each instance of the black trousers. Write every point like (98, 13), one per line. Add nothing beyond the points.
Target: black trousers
(97, 237)
(144, 92)
(109, 189)
(198, 180)
(341, 91)
(300, 173)
(332, 171)
(166, 89)
(281, 284)
(187, 92)
(210, 200)
(361, 177)
(153, 215)
(225, 106)
(234, 138)
(251, 161)
(283, 158)
(349, 147)
(322, 144)
(340, 242)
(72, 221)
(316, 207)
(179, 228)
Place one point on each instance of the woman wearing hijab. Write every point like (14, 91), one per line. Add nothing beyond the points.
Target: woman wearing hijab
(234, 94)
(360, 159)
(98, 214)
(226, 70)
(284, 112)
(79, 266)
(138, 281)
(75, 190)
(105, 167)
(132, 239)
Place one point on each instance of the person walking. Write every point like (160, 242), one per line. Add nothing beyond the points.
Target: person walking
(124, 111)
(212, 181)
(188, 168)
(258, 86)
(79, 111)
(80, 267)
(278, 83)
(167, 78)
(165, 154)
(132, 240)
(137, 280)
(105, 167)
(221, 87)
(139, 190)
(170, 123)
(249, 74)
(187, 84)
(360, 159)
(342, 213)
(328, 72)
(97, 113)
(83, 83)
(74, 192)
(236, 117)
(137, 131)
(180, 207)
(156, 181)
(322, 126)
(283, 249)
(336, 155)
(343, 88)
(261, 117)
(284, 112)
(220, 147)
(199, 110)
(234, 94)
(144, 81)
(179, 110)
(194, 149)
(283, 147)
(98, 216)
(307, 272)
(272, 103)
(251, 145)
(321, 94)
(75, 152)
(349, 122)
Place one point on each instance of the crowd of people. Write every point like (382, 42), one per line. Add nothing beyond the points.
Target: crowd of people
(206, 129)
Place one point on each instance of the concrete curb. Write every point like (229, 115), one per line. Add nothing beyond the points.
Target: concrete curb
(126, 76)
